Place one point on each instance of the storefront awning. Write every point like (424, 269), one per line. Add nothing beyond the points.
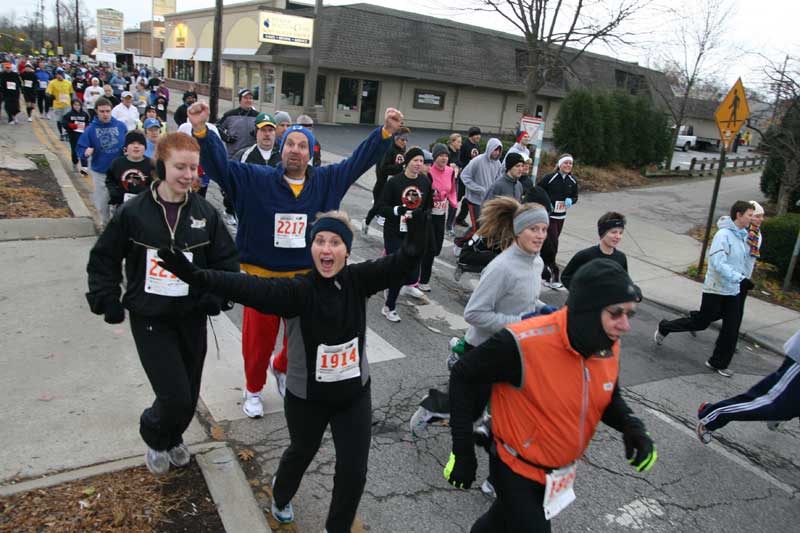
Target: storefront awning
(202, 54)
(178, 53)
(240, 51)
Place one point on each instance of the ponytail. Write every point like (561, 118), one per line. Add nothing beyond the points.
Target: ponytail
(497, 220)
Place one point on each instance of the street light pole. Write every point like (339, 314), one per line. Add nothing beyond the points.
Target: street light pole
(58, 24)
(77, 28)
(213, 92)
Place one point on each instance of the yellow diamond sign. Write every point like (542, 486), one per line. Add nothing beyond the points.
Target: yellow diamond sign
(732, 113)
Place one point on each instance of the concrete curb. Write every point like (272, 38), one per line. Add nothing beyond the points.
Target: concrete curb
(25, 229)
(96, 470)
(71, 195)
(236, 505)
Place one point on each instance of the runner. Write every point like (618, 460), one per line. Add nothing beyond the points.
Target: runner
(774, 398)
(610, 227)
(562, 187)
(477, 177)
(102, 141)
(90, 96)
(469, 151)
(725, 278)
(60, 90)
(444, 196)
(108, 94)
(126, 112)
(508, 184)
(507, 292)
(237, 125)
(555, 376)
(167, 318)
(78, 84)
(189, 97)
(329, 380)
(390, 164)
(405, 196)
(282, 122)
(754, 241)
(152, 131)
(42, 100)
(131, 173)
(454, 142)
(29, 83)
(264, 151)
(75, 123)
(275, 206)
(11, 86)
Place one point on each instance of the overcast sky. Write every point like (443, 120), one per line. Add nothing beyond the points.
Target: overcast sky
(766, 27)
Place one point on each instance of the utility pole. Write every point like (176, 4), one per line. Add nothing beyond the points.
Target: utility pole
(152, 36)
(77, 28)
(313, 65)
(58, 24)
(213, 93)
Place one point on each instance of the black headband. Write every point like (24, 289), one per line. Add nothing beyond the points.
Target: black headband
(334, 225)
(603, 227)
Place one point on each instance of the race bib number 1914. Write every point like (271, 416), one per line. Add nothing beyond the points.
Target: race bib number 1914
(339, 362)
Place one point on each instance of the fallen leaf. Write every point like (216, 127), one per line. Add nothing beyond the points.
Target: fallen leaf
(217, 433)
(88, 491)
(253, 482)
(246, 455)
(84, 504)
(119, 517)
(45, 397)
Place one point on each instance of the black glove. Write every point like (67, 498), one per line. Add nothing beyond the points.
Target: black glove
(460, 471)
(177, 263)
(746, 284)
(401, 210)
(417, 235)
(114, 312)
(640, 451)
(210, 304)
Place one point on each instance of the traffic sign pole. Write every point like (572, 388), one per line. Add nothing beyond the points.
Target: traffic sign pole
(713, 207)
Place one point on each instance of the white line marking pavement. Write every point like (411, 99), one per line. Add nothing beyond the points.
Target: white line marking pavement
(744, 463)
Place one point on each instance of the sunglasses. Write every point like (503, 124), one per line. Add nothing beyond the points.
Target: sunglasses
(617, 312)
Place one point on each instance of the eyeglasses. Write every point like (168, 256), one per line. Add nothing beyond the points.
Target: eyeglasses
(617, 312)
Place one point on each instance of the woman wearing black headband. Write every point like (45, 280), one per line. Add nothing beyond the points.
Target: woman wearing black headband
(328, 379)
(610, 228)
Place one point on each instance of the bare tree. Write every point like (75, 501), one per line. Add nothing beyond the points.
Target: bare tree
(558, 32)
(692, 56)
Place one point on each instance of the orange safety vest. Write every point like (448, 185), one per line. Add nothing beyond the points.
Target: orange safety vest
(551, 418)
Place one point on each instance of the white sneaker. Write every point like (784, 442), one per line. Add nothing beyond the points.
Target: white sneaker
(157, 461)
(280, 378)
(252, 405)
(179, 455)
(13, 122)
(284, 514)
(412, 292)
(30, 119)
(424, 287)
(658, 337)
(488, 489)
(390, 314)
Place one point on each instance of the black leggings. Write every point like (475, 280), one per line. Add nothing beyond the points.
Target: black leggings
(433, 249)
(43, 102)
(518, 507)
(351, 426)
(172, 352)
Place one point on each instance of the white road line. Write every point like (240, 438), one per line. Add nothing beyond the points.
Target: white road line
(744, 463)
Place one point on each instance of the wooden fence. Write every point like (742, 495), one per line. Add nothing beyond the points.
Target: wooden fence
(709, 166)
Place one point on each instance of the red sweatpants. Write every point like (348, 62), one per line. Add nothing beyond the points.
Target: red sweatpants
(259, 332)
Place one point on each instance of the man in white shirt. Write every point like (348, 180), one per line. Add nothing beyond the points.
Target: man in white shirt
(126, 112)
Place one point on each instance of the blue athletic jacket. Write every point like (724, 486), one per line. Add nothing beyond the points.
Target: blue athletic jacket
(259, 192)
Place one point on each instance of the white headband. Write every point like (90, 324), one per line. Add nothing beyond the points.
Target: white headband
(564, 160)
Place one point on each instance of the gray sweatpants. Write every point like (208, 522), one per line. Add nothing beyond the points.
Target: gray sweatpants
(100, 195)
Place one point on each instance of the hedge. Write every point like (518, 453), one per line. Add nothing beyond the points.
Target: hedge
(780, 234)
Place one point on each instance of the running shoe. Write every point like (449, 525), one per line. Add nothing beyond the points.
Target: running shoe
(451, 232)
(284, 515)
(179, 455)
(252, 405)
(413, 292)
(658, 337)
(419, 421)
(30, 119)
(488, 489)
(458, 272)
(424, 287)
(12, 121)
(703, 434)
(390, 314)
(157, 461)
(280, 378)
(725, 372)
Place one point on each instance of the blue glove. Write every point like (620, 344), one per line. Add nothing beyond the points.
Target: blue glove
(529, 315)
(547, 309)
(568, 202)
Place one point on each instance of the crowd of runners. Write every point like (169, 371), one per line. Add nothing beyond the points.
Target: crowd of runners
(529, 383)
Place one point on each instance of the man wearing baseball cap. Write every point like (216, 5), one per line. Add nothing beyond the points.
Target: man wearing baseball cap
(152, 130)
(237, 125)
(264, 151)
(126, 112)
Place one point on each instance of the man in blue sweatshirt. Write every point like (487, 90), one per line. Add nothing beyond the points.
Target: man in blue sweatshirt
(102, 141)
(275, 206)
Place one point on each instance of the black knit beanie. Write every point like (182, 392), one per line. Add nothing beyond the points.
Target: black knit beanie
(135, 136)
(512, 159)
(413, 152)
(596, 285)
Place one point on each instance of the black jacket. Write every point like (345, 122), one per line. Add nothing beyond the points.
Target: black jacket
(469, 151)
(252, 154)
(30, 77)
(140, 224)
(126, 176)
(75, 122)
(414, 194)
(559, 188)
(180, 116)
(12, 78)
(390, 164)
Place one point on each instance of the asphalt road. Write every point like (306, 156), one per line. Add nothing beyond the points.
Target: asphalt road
(746, 480)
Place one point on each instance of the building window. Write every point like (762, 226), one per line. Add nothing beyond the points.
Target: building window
(348, 94)
(255, 84)
(180, 69)
(292, 88)
(319, 98)
(269, 86)
(205, 71)
(429, 99)
(632, 83)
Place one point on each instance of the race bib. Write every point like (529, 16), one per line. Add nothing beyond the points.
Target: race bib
(337, 363)
(290, 230)
(440, 207)
(160, 281)
(560, 207)
(127, 196)
(42, 84)
(160, 107)
(404, 223)
(119, 87)
(558, 493)
(63, 98)
(11, 86)
(27, 83)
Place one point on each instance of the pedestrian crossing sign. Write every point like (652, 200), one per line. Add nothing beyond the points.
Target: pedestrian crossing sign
(732, 113)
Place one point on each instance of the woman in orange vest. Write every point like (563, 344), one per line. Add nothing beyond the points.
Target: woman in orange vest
(554, 378)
